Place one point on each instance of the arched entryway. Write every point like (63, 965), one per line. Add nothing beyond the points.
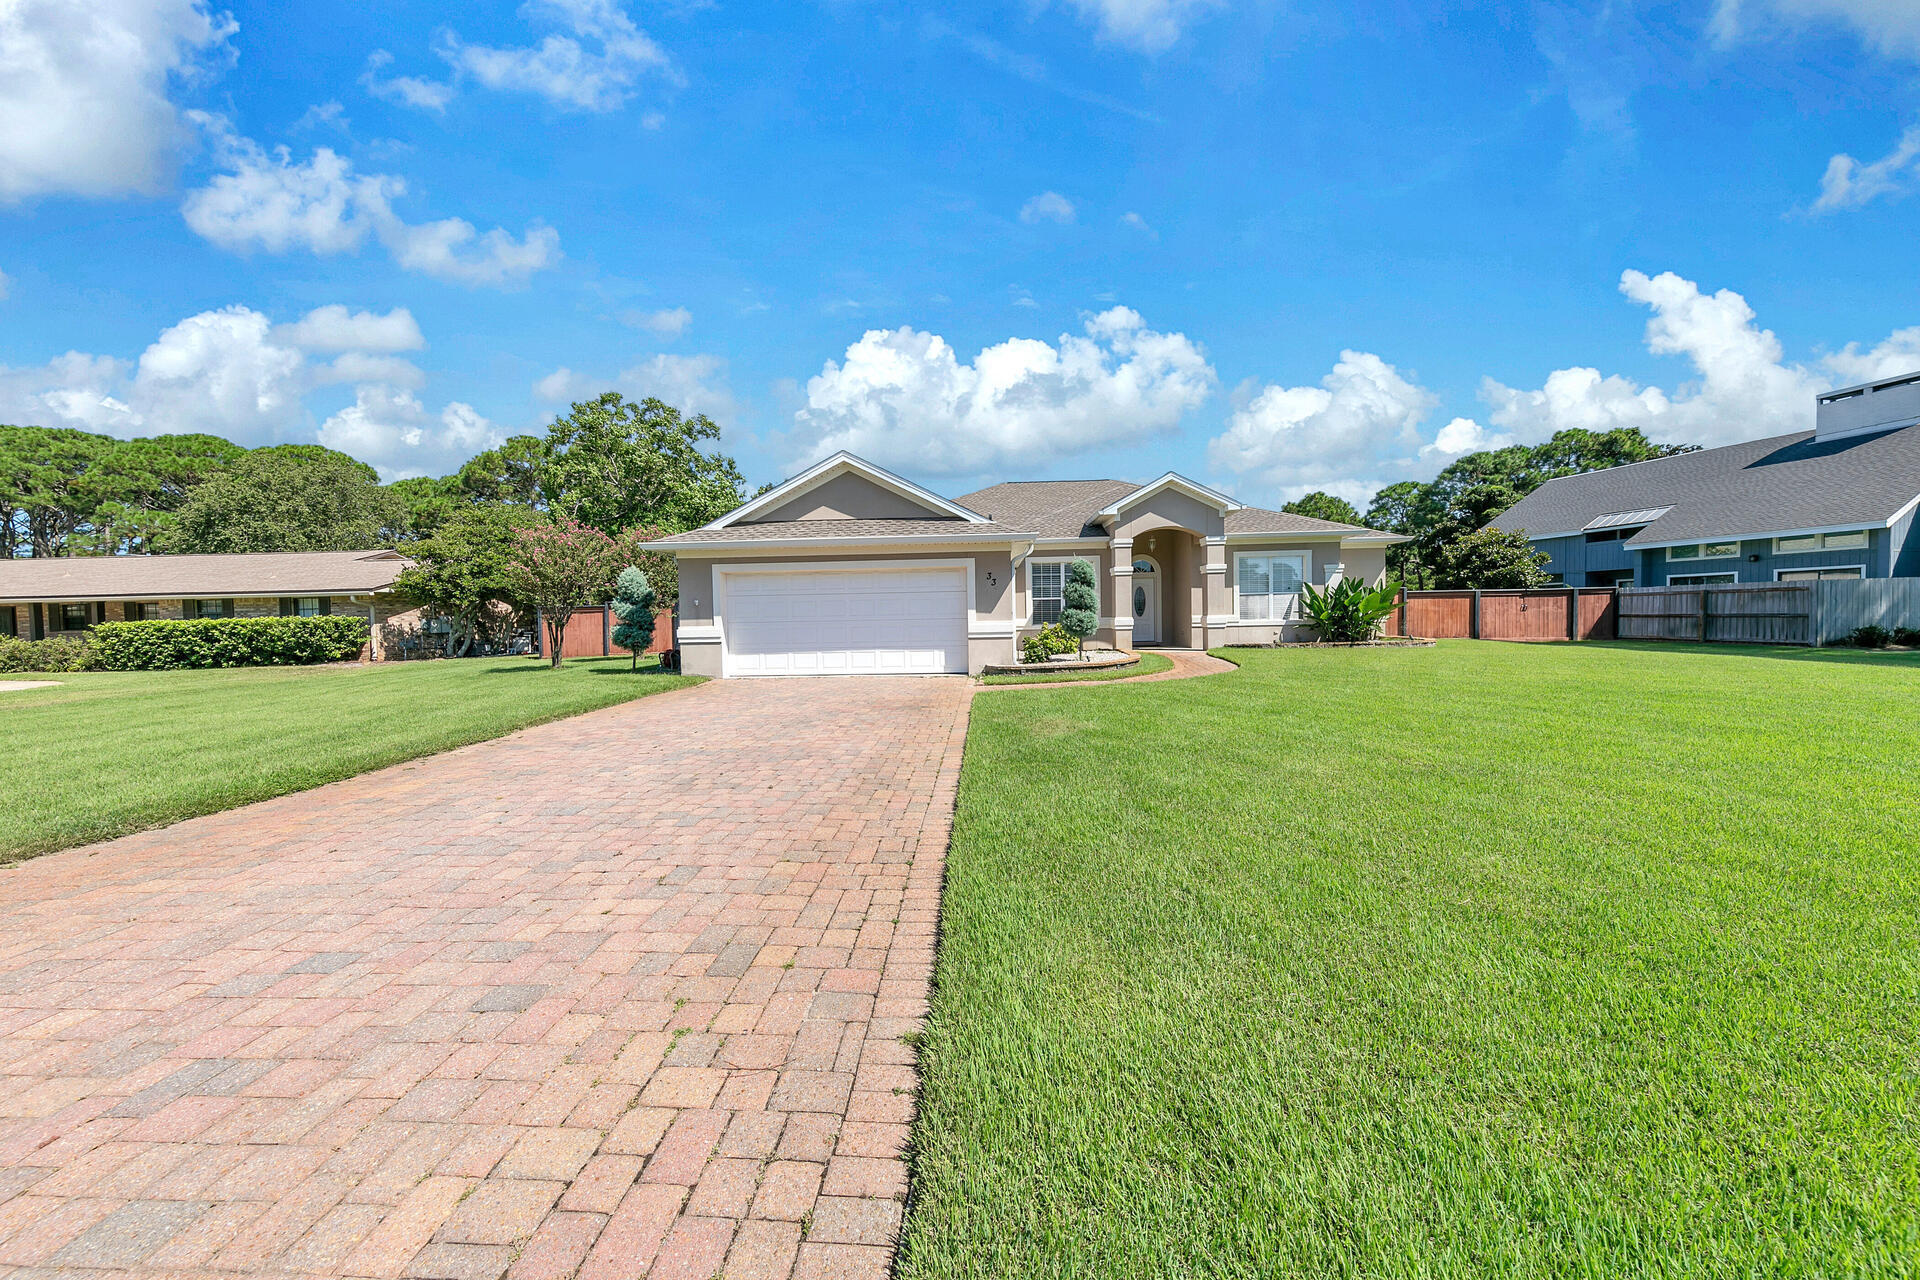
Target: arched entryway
(1145, 602)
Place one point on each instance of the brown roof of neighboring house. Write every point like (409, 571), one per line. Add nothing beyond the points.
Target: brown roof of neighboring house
(284, 573)
(781, 530)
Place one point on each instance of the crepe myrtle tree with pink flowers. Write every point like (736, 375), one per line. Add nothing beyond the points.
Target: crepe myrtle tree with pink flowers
(561, 568)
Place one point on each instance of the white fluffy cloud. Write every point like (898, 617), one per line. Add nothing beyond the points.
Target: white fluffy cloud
(4, 284)
(1849, 184)
(668, 323)
(392, 430)
(1048, 206)
(1150, 26)
(85, 105)
(268, 200)
(1892, 26)
(234, 373)
(692, 384)
(903, 398)
(1744, 387)
(592, 58)
(1363, 421)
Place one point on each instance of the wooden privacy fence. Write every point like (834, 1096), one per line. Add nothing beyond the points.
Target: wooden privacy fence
(589, 634)
(1810, 613)
(1549, 613)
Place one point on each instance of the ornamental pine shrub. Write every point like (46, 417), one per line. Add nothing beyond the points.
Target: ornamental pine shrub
(173, 644)
(634, 600)
(1080, 601)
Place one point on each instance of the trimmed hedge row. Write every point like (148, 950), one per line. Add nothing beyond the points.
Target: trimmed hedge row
(165, 645)
(55, 653)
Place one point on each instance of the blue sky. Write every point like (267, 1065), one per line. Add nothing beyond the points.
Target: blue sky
(1274, 246)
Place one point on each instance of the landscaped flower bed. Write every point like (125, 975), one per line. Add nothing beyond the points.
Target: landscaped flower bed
(1098, 660)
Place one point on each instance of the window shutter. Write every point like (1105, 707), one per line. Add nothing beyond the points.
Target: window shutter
(226, 608)
(326, 606)
(289, 606)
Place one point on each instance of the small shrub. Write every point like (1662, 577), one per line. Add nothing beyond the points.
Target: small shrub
(1908, 636)
(1870, 637)
(1046, 642)
(633, 604)
(1349, 611)
(1080, 614)
(168, 645)
(55, 653)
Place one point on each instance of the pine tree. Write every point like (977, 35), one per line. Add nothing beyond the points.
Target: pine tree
(1080, 601)
(633, 604)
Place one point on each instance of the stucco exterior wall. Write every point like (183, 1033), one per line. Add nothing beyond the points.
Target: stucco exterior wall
(1323, 558)
(993, 598)
(1168, 508)
(1101, 558)
(847, 497)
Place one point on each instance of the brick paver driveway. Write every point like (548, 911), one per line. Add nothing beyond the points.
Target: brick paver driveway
(619, 996)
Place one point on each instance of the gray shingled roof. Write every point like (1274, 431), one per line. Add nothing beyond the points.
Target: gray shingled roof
(777, 530)
(1257, 520)
(280, 573)
(1048, 508)
(1762, 486)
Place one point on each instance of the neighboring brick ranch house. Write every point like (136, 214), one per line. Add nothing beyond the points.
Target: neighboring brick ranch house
(848, 569)
(45, 597)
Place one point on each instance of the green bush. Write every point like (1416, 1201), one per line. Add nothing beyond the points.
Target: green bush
(55, 653)
(1908, 636)
(227, 642)
(1349, 611)
(1870, 637)
(1046, 642)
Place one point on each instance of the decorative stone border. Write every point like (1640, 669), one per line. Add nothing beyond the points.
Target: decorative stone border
(1118, 659)
(1389, 642)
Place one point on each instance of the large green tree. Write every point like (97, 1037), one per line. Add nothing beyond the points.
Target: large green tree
(1492, 558)
(509, 472)
(289, 497)
(1479, 487)
(67, 492)
(615, 464)
(1324, 506)
(463, 572)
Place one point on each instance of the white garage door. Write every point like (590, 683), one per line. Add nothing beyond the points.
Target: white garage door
(845, 622)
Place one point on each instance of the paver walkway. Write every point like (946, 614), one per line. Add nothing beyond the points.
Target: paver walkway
(624, 995)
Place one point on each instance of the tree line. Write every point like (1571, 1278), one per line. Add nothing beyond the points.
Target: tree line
(1446, 517)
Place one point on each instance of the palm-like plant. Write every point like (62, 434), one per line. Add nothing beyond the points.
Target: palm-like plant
(1349, 611)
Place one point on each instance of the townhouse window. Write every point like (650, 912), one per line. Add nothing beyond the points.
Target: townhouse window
(9, 620)
(305, 606)
(1701, 579)
(1268, 585)
(1046, 587)
(1705, 551)
(1849, 540)
(1840, 573)
(76, 617)
(134, 610)
(207, 608)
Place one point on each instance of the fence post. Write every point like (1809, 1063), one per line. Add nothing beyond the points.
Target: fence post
(1404, 633)
(1473, 618)
(1816, 615)
(606, 632)
(1573, 613)
(1705, 613)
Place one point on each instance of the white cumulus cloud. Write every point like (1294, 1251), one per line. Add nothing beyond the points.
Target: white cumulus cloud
(1151, 26)
(903, 398)
(690, 383)
(391, 429)
(1849, 184)
(233, 372)
(1048, 206)
(270, 201)
(1363, 421)
(591, 58)
(1891, 26)
(668, 323)
(86, 103)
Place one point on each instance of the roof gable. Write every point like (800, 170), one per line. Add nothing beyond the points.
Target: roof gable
(781, 499)
(1219, 501)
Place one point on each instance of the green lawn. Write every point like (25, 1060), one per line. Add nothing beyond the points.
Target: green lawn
(1477, 960)
(1149, 664)
(111, 752)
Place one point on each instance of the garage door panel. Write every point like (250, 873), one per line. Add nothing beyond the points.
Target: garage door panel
(846, 622)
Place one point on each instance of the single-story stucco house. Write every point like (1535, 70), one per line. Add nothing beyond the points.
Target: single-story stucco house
(43, 597)
(849, 569)
(1835, 502)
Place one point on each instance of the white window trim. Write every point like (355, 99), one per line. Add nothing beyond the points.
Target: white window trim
(1822, 539)
(1703, 544)
(1732, 574)
(1240, 557)
(1819, 568)
(1094, 561)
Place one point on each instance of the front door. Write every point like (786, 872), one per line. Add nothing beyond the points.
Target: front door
(1146, 602)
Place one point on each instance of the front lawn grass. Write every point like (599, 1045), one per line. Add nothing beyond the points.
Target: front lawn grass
(1478, 960)
(1149, 664)
(110, 752)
